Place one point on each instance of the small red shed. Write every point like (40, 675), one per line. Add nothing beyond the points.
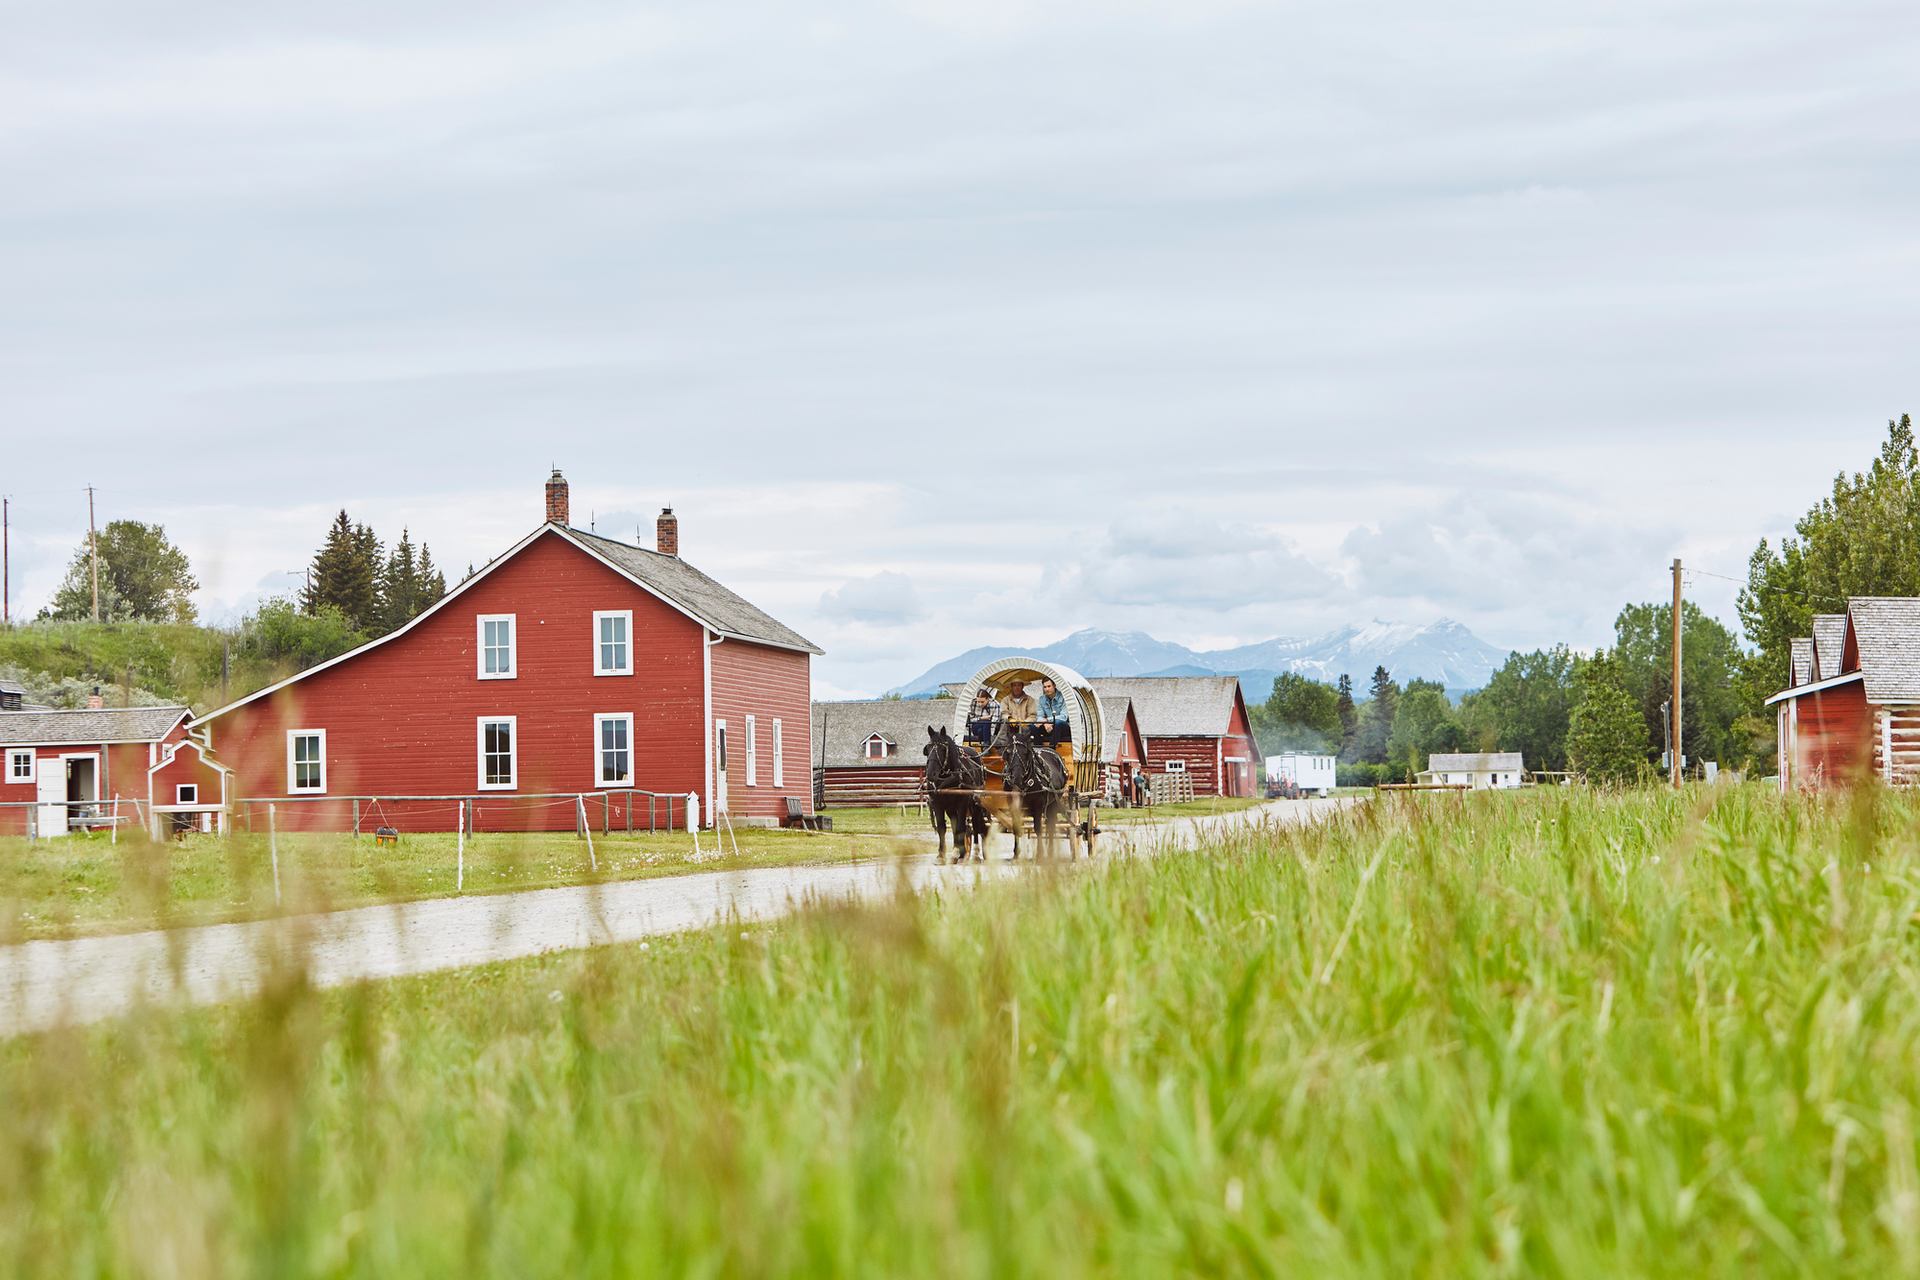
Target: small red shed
(70, 770)
(1853, 713)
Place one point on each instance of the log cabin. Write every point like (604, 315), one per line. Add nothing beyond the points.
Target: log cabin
(1853, 711)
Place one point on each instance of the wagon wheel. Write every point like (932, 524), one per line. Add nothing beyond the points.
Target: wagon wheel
(1091, 827)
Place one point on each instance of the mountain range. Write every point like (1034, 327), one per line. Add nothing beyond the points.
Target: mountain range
(1444, 651)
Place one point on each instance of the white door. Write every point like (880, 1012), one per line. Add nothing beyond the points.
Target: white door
(50, 819)
(720, 766)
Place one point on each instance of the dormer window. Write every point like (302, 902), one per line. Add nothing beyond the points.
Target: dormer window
(880, 748)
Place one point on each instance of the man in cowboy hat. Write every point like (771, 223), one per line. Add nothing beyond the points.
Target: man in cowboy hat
(1017, 705)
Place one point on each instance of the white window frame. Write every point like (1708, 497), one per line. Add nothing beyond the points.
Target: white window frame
(779, 755)
(181, 796)
(480, 622)
(293, 787)
(600, 751)
(626, 642)
(14, 756)
(1175, 766)
(480, 753)
(753, 752)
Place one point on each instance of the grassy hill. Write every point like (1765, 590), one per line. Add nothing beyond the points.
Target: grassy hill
(175, 662)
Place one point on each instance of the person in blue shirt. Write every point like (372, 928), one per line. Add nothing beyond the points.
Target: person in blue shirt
(1053, 712)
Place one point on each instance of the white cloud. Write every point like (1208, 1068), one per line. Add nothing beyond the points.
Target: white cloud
(885, 597)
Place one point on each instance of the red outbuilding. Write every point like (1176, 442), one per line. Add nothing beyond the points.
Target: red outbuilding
(74, 770)
(1853, 710)
(1197, 725)
(571, 665)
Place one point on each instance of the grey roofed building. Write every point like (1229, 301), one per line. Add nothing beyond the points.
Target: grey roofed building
(89, 727)
(1829, 639)
(695, 592)
(1800, 660)
(1476, 762)
(1175, 706)
(1113, 717)
(841, 731)
(1887, 631)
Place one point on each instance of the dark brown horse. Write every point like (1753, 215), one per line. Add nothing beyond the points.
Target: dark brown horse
(1037, 777)
(953, 780)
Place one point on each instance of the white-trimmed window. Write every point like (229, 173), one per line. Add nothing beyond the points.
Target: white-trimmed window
(613, 749)
(779, 757)
(879, 747)
(498, 645)
(1176, 766)
(20, 764)
(497, 740)
(613, 642)
(306, 761)
(753, 752)
(187, 793)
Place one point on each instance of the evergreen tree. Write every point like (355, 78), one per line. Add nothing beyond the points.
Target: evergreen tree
(433, 583)
(1607, 741)
(400, 586)
(345, 577)
(1349, 716)
(1376, 723)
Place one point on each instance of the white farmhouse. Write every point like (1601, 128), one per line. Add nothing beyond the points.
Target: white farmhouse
(1306, 770)
(1481, 770)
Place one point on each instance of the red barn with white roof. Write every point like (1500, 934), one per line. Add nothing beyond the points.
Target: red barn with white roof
(571, 664)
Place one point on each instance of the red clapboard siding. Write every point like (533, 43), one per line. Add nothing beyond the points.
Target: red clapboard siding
(1199, 753)
(1835, 738)
(189, 768)
(768, 684)
(401, 717)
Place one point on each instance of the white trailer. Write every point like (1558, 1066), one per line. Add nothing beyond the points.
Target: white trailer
(1305, 771)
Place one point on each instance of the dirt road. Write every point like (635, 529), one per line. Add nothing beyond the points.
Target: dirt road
(45, 984)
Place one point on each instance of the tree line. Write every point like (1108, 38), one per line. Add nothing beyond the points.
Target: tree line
(1604, 714)
(373, 589)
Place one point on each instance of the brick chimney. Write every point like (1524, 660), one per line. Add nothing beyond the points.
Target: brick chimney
(94, 700)
(666, 533)
(557, 512)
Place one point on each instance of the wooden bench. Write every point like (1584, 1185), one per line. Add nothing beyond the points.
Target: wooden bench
(798, 817)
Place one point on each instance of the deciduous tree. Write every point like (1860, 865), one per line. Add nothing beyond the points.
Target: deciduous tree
(1607, 740)
(143, 578)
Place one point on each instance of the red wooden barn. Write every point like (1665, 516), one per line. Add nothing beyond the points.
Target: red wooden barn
(873, 752)
(75, 769)
(571, 664)
(1197, 725)
(1853, 711)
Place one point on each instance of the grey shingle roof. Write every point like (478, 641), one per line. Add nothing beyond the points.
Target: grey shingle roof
(1113, 718)
(1887, 629)
(85, 728)
(695, 592)
(11, 686)
(1800, 650)
(1175, 706)
(841, 730)
(1829, 637)
(1476, 762)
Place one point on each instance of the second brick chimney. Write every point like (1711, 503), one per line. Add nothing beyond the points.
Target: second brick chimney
(667, 533)
(94, 701)
(557, 512)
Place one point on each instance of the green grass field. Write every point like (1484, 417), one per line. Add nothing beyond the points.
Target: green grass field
(1544, 1034)
(84, 884)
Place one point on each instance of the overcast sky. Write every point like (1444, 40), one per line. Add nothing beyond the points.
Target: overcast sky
(967, 321)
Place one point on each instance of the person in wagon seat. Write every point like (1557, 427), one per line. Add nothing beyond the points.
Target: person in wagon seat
(1017, 705)
(982, 718)
(1053, 712)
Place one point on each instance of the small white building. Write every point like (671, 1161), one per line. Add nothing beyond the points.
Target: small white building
(1481, 770)
(1305, 770)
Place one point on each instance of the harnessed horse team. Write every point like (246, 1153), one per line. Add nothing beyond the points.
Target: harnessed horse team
(1032, 773)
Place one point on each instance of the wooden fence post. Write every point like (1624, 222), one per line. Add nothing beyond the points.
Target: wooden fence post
(460, 846)
(273, 851)
(586, 830)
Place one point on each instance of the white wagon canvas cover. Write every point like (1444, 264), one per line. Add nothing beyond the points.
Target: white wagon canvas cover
(1084, 724)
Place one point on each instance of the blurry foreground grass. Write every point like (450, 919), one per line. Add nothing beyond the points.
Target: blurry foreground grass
(1553, 1034)
(84, 884)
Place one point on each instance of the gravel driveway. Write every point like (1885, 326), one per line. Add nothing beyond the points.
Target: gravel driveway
(45, 984)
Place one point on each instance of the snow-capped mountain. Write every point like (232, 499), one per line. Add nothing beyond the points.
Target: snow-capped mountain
(1444, 651)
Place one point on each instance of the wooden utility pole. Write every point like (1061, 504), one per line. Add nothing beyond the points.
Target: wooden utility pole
(1674, 755)
(6, 562)
(93, 554)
